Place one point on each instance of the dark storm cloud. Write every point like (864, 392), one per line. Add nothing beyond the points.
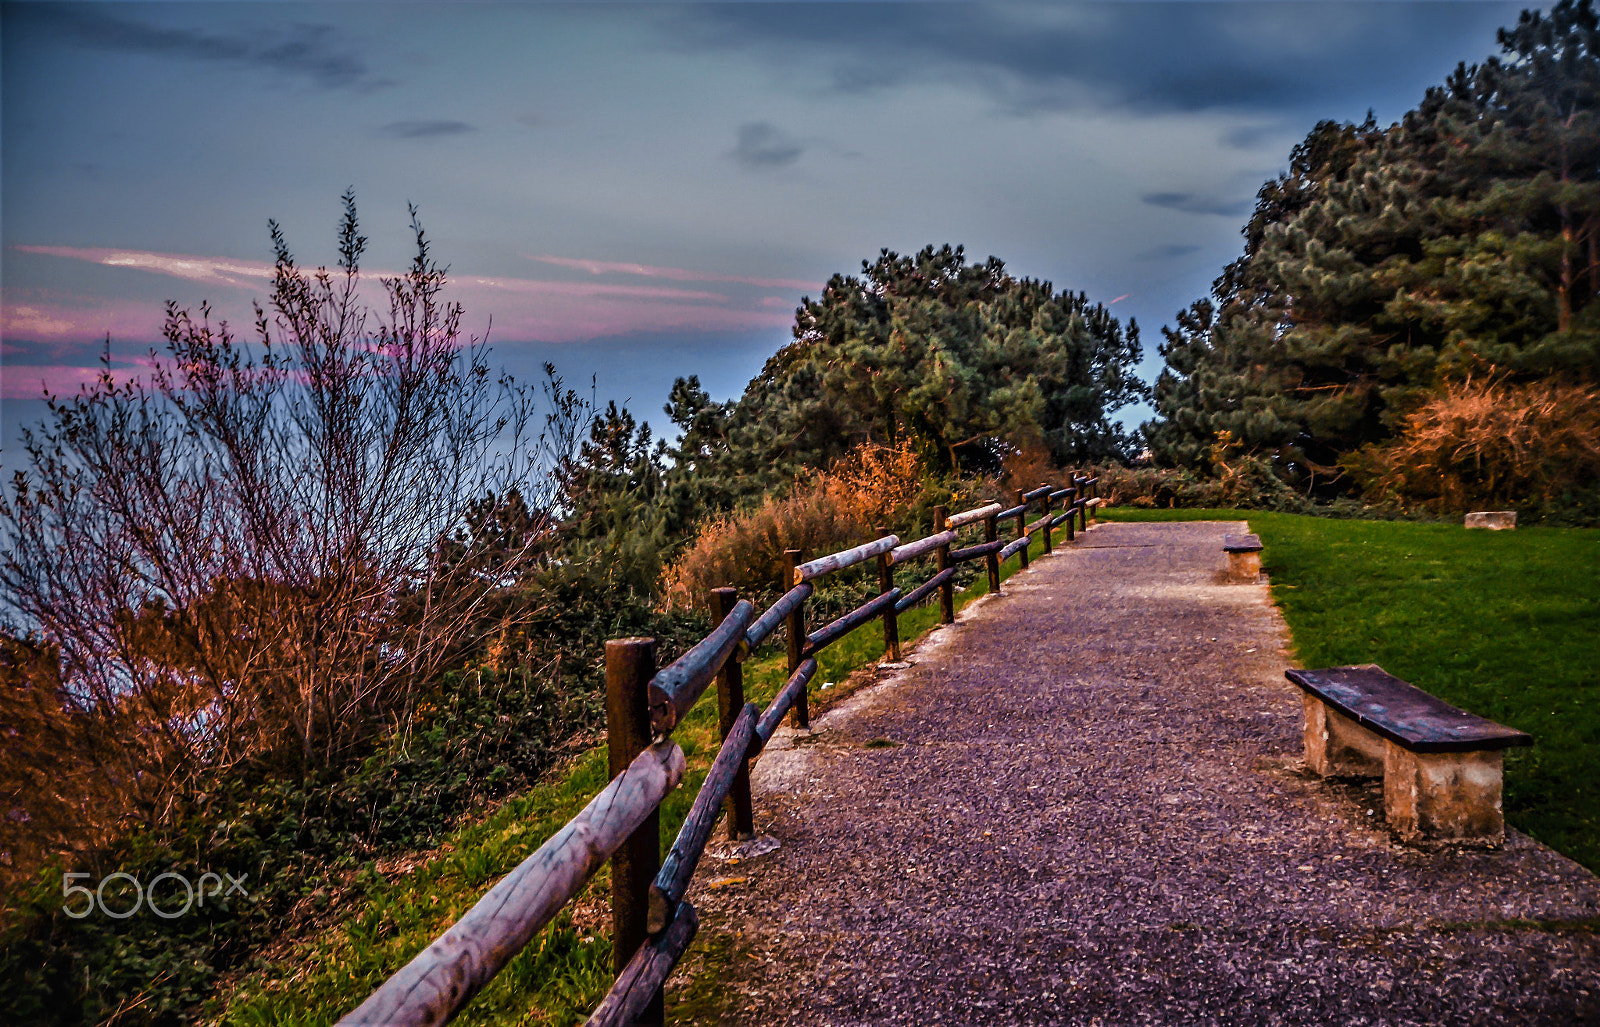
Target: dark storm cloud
(317, 52)
(764, 145)
(426, 129)
(1145, 57)
(1190, 203)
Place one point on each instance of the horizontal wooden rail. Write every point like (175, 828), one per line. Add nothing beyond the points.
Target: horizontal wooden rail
(830, 633)
(768, 622)
(970, 516)
(1042, 490)
(1038, 525)
(926, 589)
(784, 700)
(921, 547)
(651, 965)
(1061, 494)
(675, 687)
(1014, 547)
(1065, 516)
(442, 977)
(673, 879)
(838, 561)
(1010, 512)
(976, 552)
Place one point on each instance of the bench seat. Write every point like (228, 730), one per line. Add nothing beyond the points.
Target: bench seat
(1244, 558)
(1442, 767)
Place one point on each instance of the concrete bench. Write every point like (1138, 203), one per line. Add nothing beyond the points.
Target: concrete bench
(1442, 767)
(1244, 558)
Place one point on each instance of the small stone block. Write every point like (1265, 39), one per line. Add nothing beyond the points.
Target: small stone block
(1494, 520)
(1337, 746)
(1450, 797)
(1244, 568)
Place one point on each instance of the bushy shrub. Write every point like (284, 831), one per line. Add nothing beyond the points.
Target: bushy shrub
(1486, 442)
(824, 512)
(1236, 481)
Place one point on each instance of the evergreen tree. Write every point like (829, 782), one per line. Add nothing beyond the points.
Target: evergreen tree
(1464, 238)
(961, 359)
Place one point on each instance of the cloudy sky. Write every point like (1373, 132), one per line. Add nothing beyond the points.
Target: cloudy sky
(639, 191)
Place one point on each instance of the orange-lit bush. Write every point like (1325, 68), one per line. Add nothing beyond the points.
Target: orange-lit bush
(824, 512)
(1488, 442)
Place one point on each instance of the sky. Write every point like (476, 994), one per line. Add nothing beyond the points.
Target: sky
(641, 191)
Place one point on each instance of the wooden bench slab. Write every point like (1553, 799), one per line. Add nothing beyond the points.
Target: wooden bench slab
(1241, 544)
(1402, 712)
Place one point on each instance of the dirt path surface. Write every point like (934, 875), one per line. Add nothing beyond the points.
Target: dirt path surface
(1084, 804)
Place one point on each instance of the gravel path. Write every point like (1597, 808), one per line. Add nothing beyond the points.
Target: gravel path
(1084, 804)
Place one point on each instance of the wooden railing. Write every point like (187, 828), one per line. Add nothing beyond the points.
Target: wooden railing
(652, 924)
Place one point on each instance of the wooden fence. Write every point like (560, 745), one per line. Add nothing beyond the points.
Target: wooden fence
(652, 924)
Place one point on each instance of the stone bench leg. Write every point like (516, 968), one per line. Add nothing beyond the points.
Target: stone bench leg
(1244, 568)
(1444, 796)
(1337, 746)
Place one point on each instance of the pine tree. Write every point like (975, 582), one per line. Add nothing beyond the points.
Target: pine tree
(1463, 239)
(963, 360)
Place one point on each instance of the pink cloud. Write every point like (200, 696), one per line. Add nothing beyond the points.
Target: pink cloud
(178, 265)
(586, 289)
(31, 381)
(603, 267)
(520, 308)
(570, 319)
(80, 319)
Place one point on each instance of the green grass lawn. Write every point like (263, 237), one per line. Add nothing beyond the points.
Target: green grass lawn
(1505, 624)
(564, 972)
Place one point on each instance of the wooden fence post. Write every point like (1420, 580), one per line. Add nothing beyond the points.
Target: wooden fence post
(1083, 511)
(730, 702)
(1022, 525)
(991, 533)
(630, 664)
(1047, 531)
(947, 592)
(1072, 514)
(795, 626)
(891, 620)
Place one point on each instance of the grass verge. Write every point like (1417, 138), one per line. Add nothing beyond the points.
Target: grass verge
(564, 972)
(1505, 624)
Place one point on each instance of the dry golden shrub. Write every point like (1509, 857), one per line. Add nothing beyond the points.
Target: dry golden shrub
(825, 511)
(874, 483)
(1488, 442)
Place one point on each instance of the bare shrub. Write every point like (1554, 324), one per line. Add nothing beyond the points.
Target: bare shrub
(1489, 442)
(263, 552)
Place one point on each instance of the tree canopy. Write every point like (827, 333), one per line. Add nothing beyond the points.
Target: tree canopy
(961, 359)
(1464, 239)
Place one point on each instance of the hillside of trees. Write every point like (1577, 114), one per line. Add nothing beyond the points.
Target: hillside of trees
(301, 601)
(1414, 317)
